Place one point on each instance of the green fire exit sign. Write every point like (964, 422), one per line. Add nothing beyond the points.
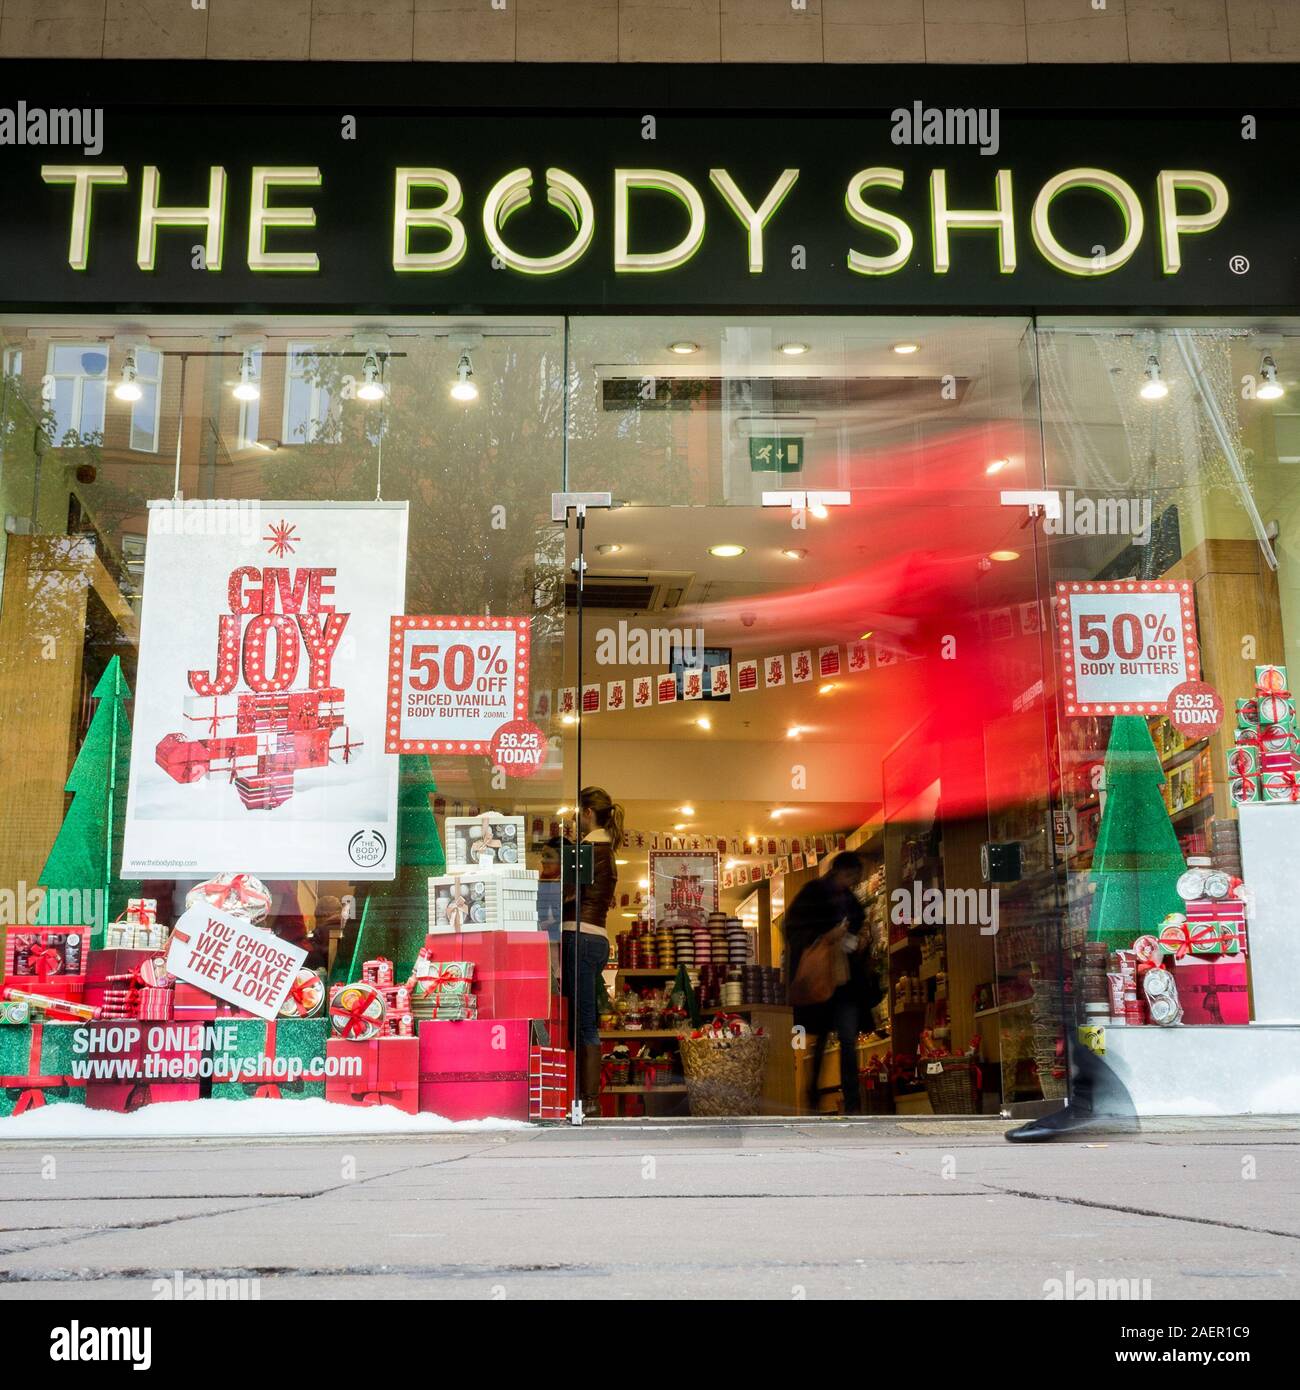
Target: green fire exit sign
(773, 454)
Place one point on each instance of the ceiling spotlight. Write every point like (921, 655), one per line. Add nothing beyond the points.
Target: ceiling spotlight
(704, 722)
(794, 349)
(681, 825)
(568, 719)
(128, 389)
(248, 389)
(620, 862)
(643, 883)
(683, 348)
(608, 549)
(1004, 555)
(906, 349)
(778, 812)
(688, 810)
(996, 466)
(371, 389)
(866, 634)
(794, 554)
(1271, 388)
(827, 688)
(1153, 386)
(819, 510)
(794, 731)
(726, 552)
(464, 388)
(562, 810)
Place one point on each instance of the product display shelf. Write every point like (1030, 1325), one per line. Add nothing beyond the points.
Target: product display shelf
(1009, 1007)
(1203, 807)
(1184, 755)
(666, 1090)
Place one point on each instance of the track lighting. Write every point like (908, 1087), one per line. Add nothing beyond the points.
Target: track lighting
(248, 389)
(1153, 385)
(464, 388)
(372, 388)
(128, 389)
(1270, 388)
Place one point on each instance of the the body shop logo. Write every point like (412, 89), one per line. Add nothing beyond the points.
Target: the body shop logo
(367, 848)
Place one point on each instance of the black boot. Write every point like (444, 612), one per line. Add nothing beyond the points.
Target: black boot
(589, 1080)
(1098, 1103)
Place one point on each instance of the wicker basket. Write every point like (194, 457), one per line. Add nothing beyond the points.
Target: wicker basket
(954, 1088)
(724, 1078)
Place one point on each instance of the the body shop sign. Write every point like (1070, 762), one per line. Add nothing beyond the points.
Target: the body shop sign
(847, 206)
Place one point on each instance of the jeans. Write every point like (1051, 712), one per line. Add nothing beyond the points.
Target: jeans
(843, 1008)
(583, 957)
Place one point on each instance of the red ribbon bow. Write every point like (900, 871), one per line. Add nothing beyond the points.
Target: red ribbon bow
(355, 1015)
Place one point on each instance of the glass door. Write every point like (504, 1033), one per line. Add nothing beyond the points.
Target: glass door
(795, 648)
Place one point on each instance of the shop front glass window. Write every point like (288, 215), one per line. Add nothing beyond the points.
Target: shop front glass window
(197, 597)
(1173, 572)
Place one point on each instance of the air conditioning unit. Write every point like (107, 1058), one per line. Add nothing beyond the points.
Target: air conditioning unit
(659, 591)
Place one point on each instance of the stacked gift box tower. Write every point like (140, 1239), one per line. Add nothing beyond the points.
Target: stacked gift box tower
(1264, 761)
(485, 887)
(1193, 970)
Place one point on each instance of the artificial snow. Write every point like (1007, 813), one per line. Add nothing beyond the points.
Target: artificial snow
(233, 1119)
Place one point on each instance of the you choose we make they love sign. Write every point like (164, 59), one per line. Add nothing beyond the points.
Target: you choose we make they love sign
(242, 964)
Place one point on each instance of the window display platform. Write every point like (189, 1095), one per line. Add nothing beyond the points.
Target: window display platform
(234, 1119)
(1205, 1070)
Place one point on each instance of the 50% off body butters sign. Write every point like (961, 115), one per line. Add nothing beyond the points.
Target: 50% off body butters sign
(1125, 644)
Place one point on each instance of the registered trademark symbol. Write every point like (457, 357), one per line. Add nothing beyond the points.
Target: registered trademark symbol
(1239, 265)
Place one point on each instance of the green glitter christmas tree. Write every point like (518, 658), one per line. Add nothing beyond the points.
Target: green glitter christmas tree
(395, 916)
(1137, 863)
(88, 847)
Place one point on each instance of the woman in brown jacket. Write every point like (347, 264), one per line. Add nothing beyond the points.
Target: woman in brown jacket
(585, 950)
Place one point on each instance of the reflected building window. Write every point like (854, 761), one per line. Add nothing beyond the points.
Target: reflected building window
(308, 399)
(78, 379)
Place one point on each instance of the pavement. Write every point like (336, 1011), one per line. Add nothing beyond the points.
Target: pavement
(887, 1210)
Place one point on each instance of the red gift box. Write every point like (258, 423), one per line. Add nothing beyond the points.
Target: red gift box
(109, 975)
(33, 1085)
(44, 963)
(550, 1083)
(130, 1065)
(1215, 910)
(474, 1069)
(381, 1071)
(154, 1003)
(194, 1005)
(1213, 992)
(512, 970)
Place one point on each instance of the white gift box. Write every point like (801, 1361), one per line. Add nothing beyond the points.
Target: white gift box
(492, 899)
(468, 841)
(209, 716)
